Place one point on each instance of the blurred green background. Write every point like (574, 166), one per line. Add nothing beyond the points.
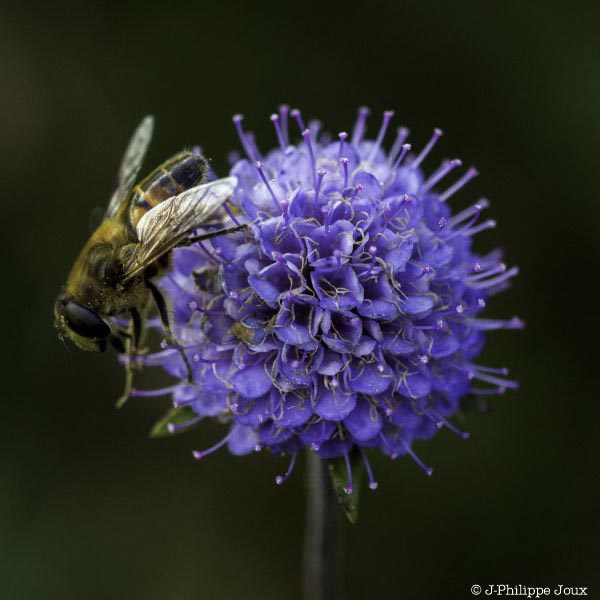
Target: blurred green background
(89, 506)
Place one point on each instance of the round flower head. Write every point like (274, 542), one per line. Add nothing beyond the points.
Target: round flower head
(348, 314)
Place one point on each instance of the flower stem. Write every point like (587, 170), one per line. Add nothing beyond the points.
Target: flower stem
(321, 561)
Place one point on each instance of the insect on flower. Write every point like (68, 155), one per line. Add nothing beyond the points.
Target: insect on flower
(350, 314)
(114, 272)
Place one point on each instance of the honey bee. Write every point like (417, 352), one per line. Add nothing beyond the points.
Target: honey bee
(114, 272)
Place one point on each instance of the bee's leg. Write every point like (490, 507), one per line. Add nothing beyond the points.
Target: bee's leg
(212, 234)
(164, 317)
(129, 343)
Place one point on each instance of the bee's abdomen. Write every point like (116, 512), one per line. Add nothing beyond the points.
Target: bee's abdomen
(180, 173)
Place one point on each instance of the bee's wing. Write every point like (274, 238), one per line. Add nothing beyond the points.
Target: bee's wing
(131, 164)
(169, 223)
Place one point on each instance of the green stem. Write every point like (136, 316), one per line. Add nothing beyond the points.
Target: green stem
(321, 558)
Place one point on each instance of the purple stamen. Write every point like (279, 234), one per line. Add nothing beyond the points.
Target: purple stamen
(320, 176)
(282, 478)
(387, 117)
(237, 121)
(359, 127)
(409, 450)
(215, 256)
(306, 136)
(489, 224)
(401, 135)
(372, 483)
(444, 169)
(498, 381)
(438, 424)
(315, 126)
(478, 285)
(405, 149)
(297, 115)
(480, 205)
(465, 435)
(350, 487)
(464, 230)
(470, 174)
(156, 359)
(357, 188)
(202, 453)
(284, 109)
(493, 370)
(345, 162)
(205, 361)
(233, 157)
(343, 137)
(230, 213)
(254, 147)
(498, 391)
(278, 132)
(259, 167)
(174, 427)
(491, 324)
(437, 134)
(479, 274)
(136, 393)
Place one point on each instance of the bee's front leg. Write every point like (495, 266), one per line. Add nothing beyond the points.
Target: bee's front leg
(164, 317)
(128, 344)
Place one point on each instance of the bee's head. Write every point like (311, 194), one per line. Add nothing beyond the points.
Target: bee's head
(80, 325)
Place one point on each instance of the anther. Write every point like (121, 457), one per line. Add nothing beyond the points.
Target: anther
(343, 137)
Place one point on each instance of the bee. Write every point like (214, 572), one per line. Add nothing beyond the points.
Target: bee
(115, 271)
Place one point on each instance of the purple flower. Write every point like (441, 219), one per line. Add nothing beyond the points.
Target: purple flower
(349, 314)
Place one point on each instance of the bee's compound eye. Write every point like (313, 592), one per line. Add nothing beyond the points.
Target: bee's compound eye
(83, 321)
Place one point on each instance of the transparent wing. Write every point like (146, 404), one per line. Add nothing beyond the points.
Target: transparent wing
(169, 223)
(131, 164)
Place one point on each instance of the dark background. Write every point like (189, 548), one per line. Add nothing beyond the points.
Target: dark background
(89, 506)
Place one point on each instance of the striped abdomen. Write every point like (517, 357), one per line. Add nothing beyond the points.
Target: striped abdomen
(178, 174)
